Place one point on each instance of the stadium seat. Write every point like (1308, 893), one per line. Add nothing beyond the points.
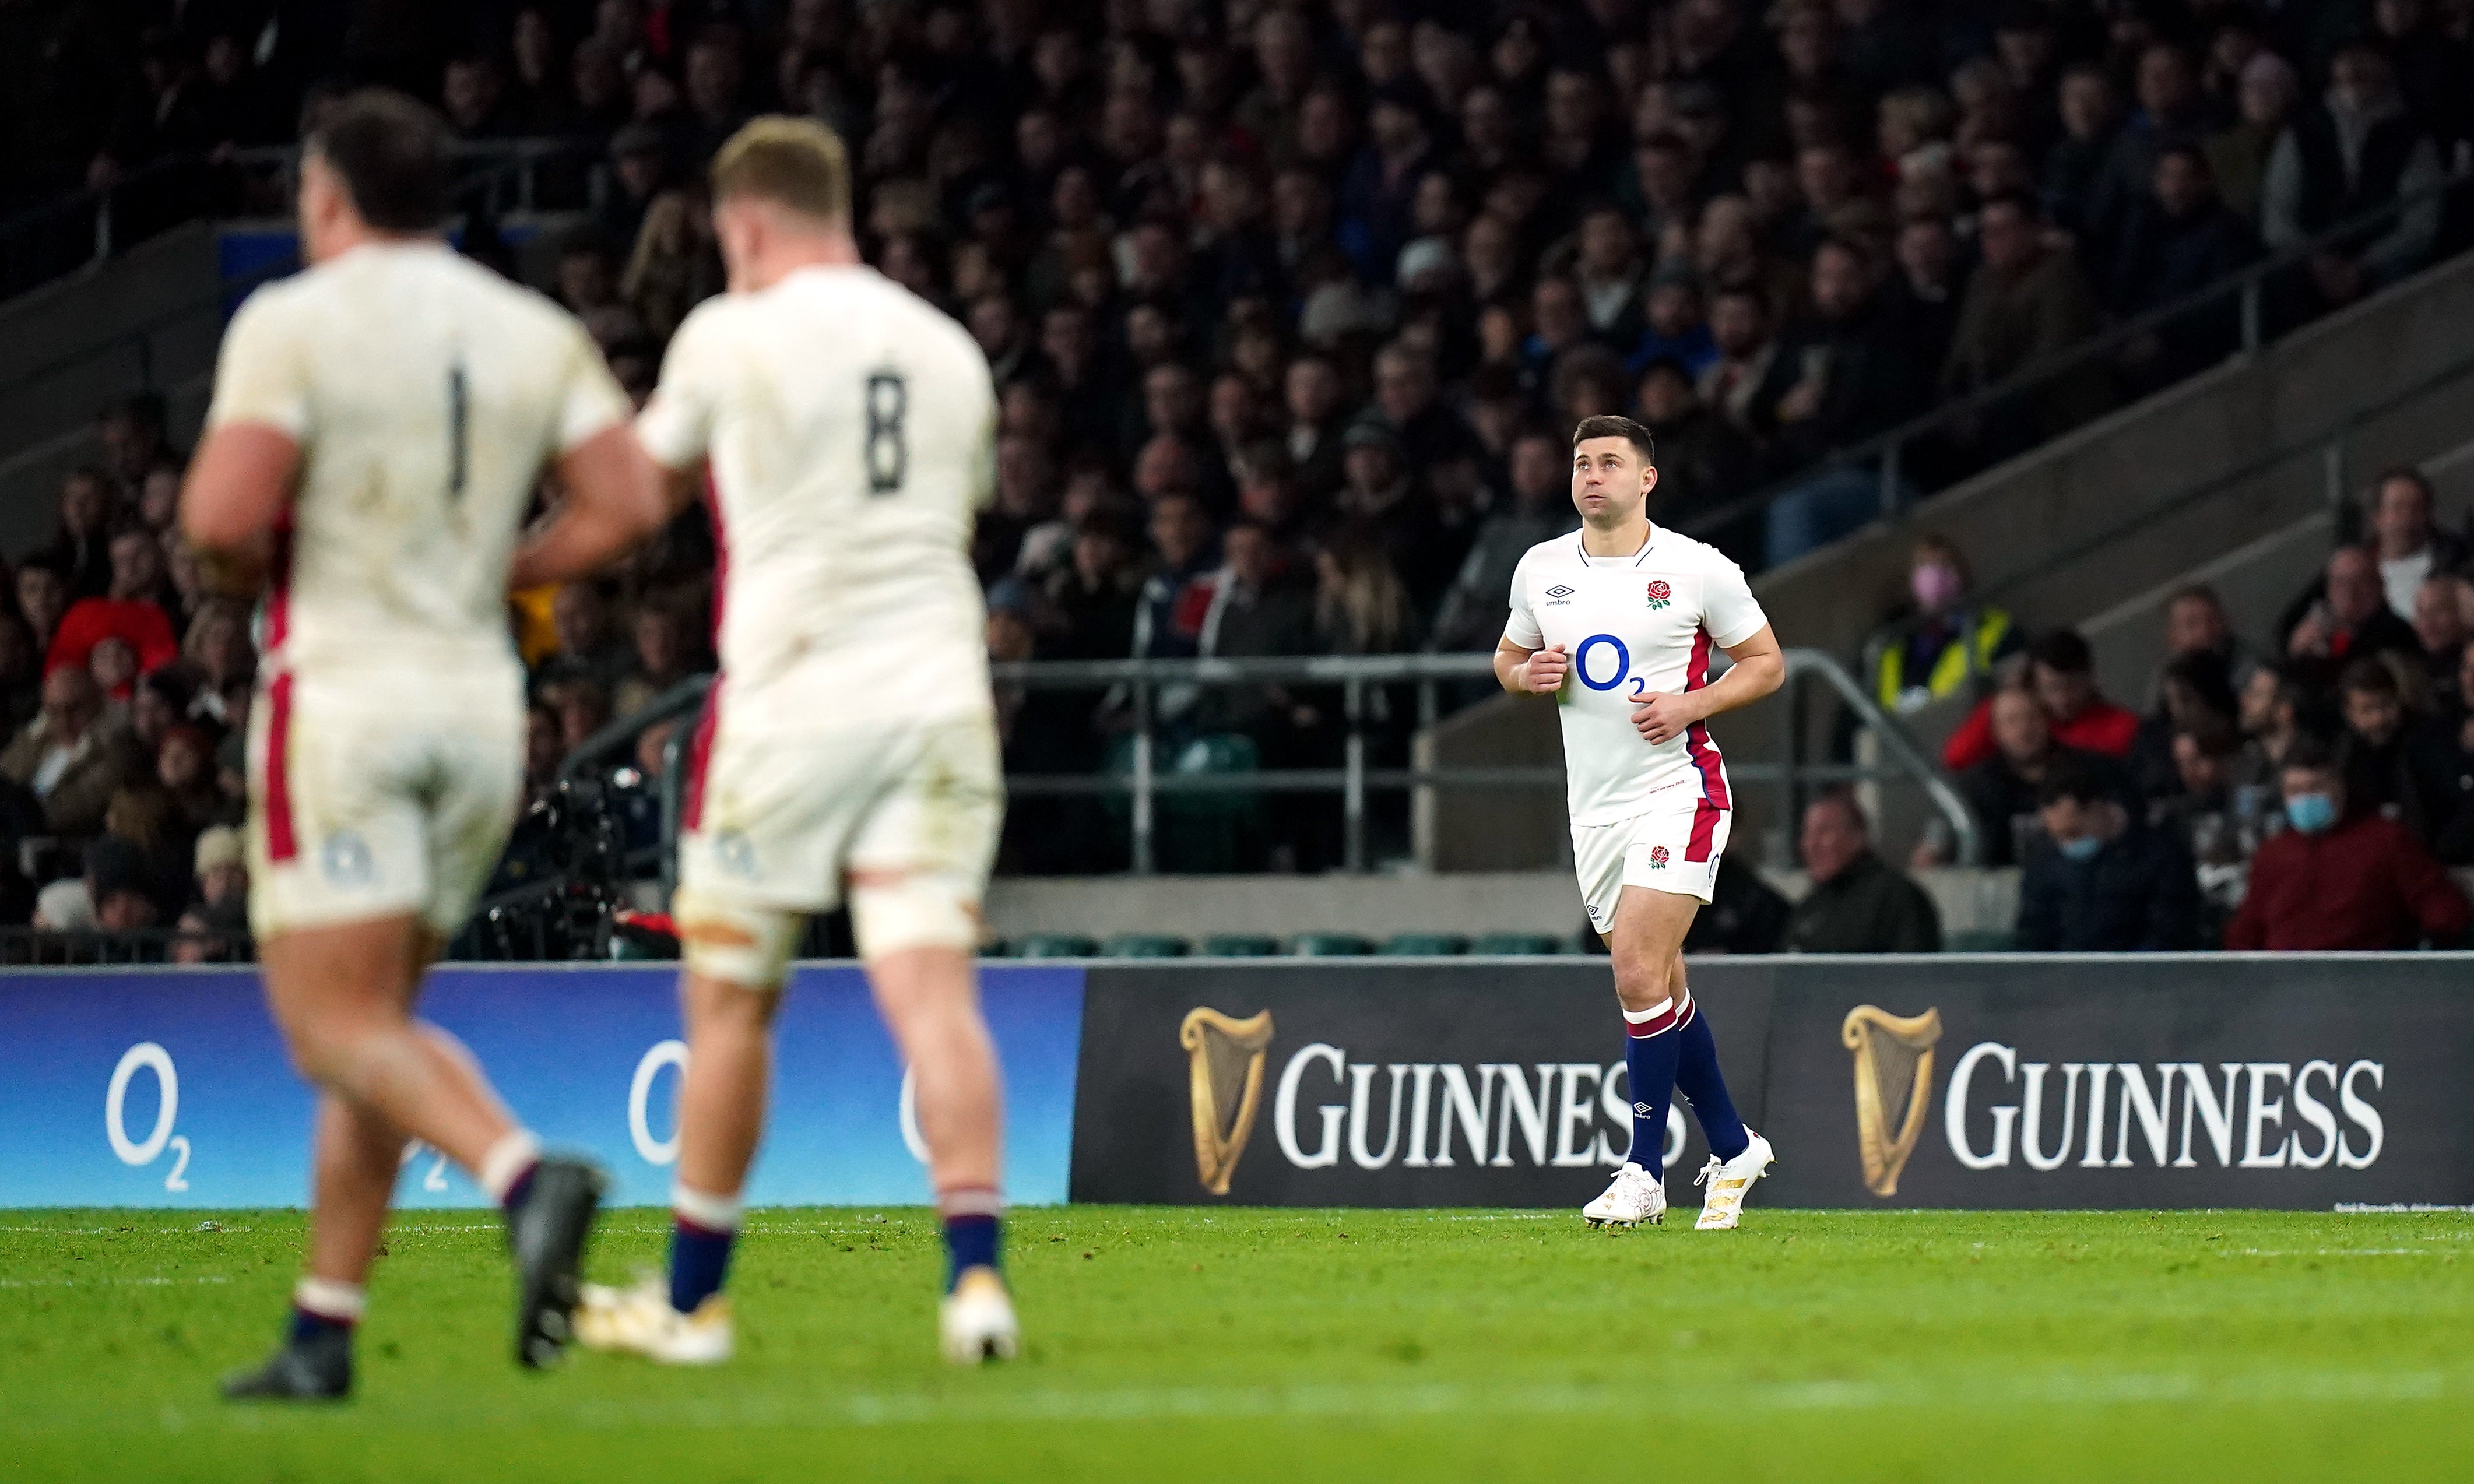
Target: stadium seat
(1143, 945)
(1241, 946)
(1516, 944)
(1423, 945)
(1214, 833)
(1054, 945)
(1977, 941)
(1331, 945)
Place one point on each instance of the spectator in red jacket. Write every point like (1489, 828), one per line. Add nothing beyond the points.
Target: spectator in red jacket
(129, 612)
(2062, 674)
(2342, 878)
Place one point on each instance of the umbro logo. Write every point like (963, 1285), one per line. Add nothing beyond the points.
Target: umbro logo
(1558, 591)
(1643, 1109)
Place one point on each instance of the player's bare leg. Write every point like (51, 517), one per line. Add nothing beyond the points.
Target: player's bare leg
(343, 997)
(1645, 949)
(930, 998)
(729, 993)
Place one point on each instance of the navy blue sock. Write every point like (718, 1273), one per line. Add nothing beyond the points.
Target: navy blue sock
(970, 1241)
(699, 1260)
(307, 1326)
(1649, 1062)
(1698, 1079)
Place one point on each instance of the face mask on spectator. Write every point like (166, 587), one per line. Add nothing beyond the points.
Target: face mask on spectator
(2310, 812)
(1935, 584)
(2082, 848)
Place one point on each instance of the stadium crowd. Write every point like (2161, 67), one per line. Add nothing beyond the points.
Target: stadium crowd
(1291, 308)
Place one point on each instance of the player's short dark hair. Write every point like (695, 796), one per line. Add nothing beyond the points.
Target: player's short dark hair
(1610, 426)
(392, 154)
(2062, 651)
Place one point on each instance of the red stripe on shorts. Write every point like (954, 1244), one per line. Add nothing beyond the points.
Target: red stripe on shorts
(281, 844)
(700, 755)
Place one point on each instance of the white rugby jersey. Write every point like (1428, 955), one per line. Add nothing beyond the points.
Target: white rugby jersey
(426, 393)
(1631, 626)
(851, 427)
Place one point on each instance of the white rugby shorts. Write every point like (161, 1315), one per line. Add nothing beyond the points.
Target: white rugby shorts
(376, 796)
(1674, 847)
(783, 821)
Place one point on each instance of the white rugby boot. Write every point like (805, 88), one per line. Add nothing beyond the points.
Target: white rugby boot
(976, 1321)
(1728, 1180)
(1634, 1197)
(640, 1320)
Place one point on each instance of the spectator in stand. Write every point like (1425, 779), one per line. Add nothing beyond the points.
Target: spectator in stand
(2439, 607)
(2196, 623)
(2432, 67)
(1383, 498)
(1744, 384)
(130, 610)
(2103, 881)
(2359, 149)
(1852, 380)
(2342, 878)
(218, 656)
(1178, 595)
(42, 592)
(221, 865)
(1259, 607)
(1673, 326)
(1947, 643)
(2238, 154)
(2178, 240)
(21, 673)
(2406, 539)
(2441, 752)
(1702, 460)
(1317, 424)
(2061, 674)
(667, 654)
(2372, 753)
(1925, 294)
(1473, 608)
(2346, 618)
(1361, 606)
(118, 882)
(1858, 903)
(82, 552)
(2026, 301)
(2002, 790)
(68, 756)
(2195, 693)
(2172, 112)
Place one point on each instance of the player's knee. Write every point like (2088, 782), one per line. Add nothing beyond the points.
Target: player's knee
(738, 944)
(1641, 980)
(911, 910)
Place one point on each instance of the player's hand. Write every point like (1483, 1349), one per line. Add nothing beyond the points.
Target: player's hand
(1545, 670)
(1661, 718)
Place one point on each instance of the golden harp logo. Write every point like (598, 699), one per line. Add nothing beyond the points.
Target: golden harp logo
(1225, 1058)
(1894, 1067)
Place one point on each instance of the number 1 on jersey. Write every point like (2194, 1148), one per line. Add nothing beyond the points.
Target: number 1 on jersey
(887, 399)
(458, 430)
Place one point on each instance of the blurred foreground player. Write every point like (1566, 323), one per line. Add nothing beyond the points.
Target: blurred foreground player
(378, 424)
(850, 739)
(1616, 621)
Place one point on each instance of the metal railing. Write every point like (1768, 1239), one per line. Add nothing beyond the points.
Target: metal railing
(25, 947)
(2246, 293)
(91, 226)
(496, 177)
(1137, 684)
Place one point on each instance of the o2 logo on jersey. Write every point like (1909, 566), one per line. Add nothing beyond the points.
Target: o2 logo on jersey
(1659, 594)
(1657, 858)
(347, 861)
(1617, 673)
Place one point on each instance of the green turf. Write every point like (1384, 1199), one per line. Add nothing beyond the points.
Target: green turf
(1296, 1346)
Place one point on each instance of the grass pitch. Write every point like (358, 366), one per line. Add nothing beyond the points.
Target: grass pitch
(1301, 1345)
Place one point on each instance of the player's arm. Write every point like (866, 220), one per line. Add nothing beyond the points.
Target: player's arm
(1759, 668)
(240, 484)
(616, 497)
(1525, 671)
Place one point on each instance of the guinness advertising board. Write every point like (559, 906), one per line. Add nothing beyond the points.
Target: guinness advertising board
(1975, 1082)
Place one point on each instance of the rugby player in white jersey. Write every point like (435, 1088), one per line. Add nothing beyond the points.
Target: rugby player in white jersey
(1616, 621)
(378, 424)
(849, 744)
